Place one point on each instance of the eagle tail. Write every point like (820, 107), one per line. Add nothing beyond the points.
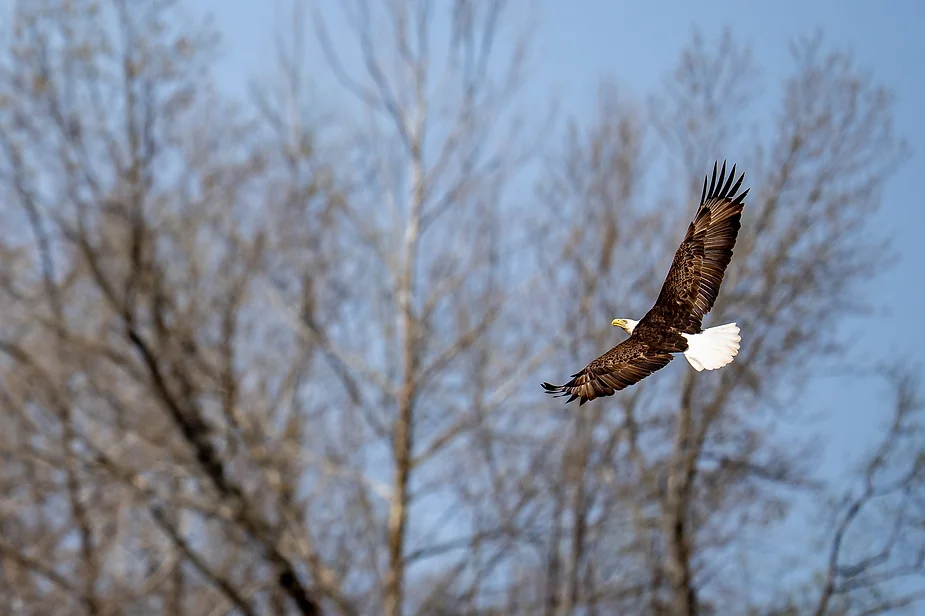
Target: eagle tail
(712, 348)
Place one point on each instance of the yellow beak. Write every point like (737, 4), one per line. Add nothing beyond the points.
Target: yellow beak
(619, 323)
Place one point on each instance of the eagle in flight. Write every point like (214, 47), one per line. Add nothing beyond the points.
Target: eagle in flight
(673, 323)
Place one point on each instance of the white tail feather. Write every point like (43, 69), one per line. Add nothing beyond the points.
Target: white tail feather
(712, 348)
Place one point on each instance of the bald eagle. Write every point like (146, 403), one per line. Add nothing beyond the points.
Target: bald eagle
(673, 323)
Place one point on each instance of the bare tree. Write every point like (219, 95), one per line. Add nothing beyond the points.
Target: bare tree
(286, 361)
(135, 481)
(231, 344)
(888, 507)
(689, 468)
(434, 154)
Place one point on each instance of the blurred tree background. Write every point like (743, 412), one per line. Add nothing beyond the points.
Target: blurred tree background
(280, 353)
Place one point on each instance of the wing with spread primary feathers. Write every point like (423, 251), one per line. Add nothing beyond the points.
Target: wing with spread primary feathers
(626, 364)
(696, 273)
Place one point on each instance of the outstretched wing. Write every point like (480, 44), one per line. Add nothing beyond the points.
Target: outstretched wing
(693, 282)
(626, 364)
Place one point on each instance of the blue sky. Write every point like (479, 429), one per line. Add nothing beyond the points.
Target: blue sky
(637, 43)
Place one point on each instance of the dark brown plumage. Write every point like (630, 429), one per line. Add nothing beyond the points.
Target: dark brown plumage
(689, 292)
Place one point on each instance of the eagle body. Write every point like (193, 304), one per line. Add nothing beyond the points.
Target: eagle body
(674, 323)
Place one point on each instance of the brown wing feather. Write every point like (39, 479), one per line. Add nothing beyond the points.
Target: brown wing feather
(626, 364)
(693, 282)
